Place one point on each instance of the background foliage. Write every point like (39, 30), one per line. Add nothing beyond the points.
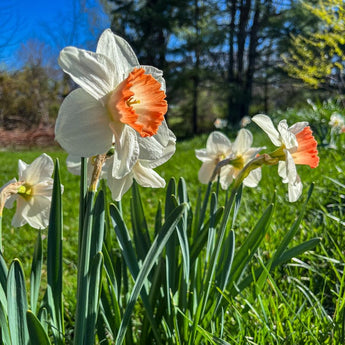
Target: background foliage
(221, 59)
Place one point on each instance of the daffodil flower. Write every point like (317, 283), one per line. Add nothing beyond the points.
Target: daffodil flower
(242, 153)
(32, 193)
(218, 149)
(336, 121)
(296, 145)
(142, 171)
(118, 100)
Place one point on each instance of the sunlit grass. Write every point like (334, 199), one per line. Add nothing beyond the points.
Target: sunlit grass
(302, 302)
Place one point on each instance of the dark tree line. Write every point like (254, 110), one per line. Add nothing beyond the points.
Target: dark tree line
(219, 56)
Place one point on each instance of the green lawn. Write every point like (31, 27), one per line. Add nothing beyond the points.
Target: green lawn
(303, 300)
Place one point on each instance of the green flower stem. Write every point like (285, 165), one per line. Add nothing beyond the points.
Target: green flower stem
(264, 159)
(0, 232)
(83, 269)
(99, 161)
(82, 200)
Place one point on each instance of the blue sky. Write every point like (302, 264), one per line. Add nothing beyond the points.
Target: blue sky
(44, 27)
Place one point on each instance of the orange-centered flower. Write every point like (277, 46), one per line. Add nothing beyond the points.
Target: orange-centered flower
(296, 145)
(307, 149)
(139, 102)
(119, 102)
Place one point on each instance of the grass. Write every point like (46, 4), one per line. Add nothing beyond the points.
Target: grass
(303, 300)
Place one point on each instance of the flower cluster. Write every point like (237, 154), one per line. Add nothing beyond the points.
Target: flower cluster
(115, 119)
(295, 145)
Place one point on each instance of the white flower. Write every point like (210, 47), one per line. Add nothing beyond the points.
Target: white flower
(142, 171)
(296, 146)
(118, 100)
(220, 123)
(337, 121)
(34, 194)
(218, 148)
(242, 153)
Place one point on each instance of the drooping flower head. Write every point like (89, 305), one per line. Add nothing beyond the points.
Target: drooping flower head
(32, 193)
(218, 148)
(118, 100)
(242, 153)
(296, 145)
(142, 171)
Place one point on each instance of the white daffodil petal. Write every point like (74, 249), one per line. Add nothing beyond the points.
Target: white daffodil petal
(73, 164)
(251, 153)
(266, 124)
(282, 172)
(203, 155)
(36, 212)
(126, 153)
(253, 178)
(164, 134)
(155, 149)
(298, 127)
(82, 127)
(21, 168)
(18, 220)
(119, 187)
(45, 188)
(147, 177)
(95, 73)
(295, 190)
(217, 142)
(119, 52)
(164, 156)
(288, 138)
(243, 141)
(226, 176)
(41, 168)
(206, 171)
(290, 168)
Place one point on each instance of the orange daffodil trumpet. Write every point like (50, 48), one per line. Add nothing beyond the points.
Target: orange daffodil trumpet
(118, 100)
(296, 145)
(32, 193)
(227, 159)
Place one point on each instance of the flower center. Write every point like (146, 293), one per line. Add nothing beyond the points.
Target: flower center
(25, 191)
(238, 162)
(139, 102)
